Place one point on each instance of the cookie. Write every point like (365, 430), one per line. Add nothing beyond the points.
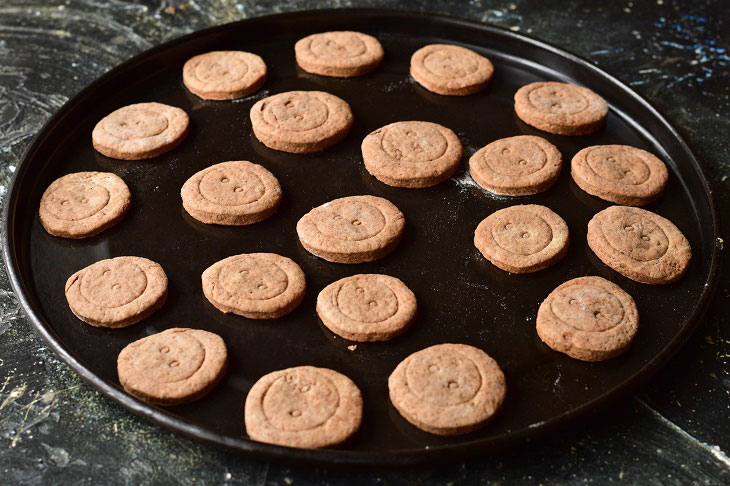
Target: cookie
(173, 367)
(620, 174)
(447, 389)
(516, 166)
(224, 75)
(561, 108)
(340, 54)
(140, 131)
(303, 407)
(231, 193)
(301, 122)
(117, 292)
(255, 285)
(639, 244)
(367, 307)
(522, 239)
(84, 204)
(352, 229)
(450, 70)
(411, 154)
(588, 318)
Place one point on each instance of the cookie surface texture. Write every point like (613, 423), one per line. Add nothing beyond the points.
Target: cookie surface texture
(301, 121)
(451, 70)
(224, 75)
(255, 285)
(343, 54)
(117, 292)
(639, 244)
(84, 204)
(522, 239)
(304, 407)
(447, 389)
(140, 131)
(412, 154)
(172, 367)
(352, 229)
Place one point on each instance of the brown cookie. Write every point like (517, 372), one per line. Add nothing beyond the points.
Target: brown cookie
(447, 389)
(255, 285)
(303, 407)
(561, 108)
(352, 229)
(231, 193)
(368, 307)
(639, 244)
(522, 239)
(620, 174)
(84, 204)
(172, 367)
(301, 122)
(588, 318)
(117, 292)
(340, 54)
(411, 154)
(450, 70)
(140, 131)
(224, 75)
(516, 166)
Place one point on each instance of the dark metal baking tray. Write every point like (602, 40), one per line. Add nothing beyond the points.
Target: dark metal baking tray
(462, 298)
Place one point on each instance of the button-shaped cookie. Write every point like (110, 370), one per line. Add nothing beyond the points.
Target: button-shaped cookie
(224, 75)
(451, 70)
(342, 54)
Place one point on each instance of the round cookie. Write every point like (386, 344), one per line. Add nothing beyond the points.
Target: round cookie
(561, 108)
(450, 70)
(301, 122)
(367, 307)
(342, 54)
(84, 204)
(522, 239)
(173, 367)
(516, 166)
(303, 407)
(231, 193)
(140, 131)
(224, 75)
(639, 244)
(352, 229)
(411, 154)
(117, 292)
(620, 174)
(255, 285)
(447, 389)
(588, 318)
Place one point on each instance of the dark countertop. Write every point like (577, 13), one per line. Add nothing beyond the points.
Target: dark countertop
(675, 430)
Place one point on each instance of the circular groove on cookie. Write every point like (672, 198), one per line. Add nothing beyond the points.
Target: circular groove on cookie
(84, 204)
(255, 285)
(303, 407)
(117, 292)
(172, 367)
(352, 229)
(140, 131)
(516, 166)
(561, 108)
(231, 193)
(301, 121)
(522, 239)
(224, 75)
(588, 318)
(447, 389)
(412, 154)
(340, 54)
(367, 307)
(620, 174)
(639, 244)
(450, 70)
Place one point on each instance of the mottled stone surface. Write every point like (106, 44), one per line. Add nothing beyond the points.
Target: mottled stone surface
(55, 429)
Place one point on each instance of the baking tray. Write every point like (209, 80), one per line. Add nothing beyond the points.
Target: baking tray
(461, 297)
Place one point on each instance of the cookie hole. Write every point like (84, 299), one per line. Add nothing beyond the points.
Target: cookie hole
(452, 385)
(305, 388)
(610, 159)
(106, 272)
(298, 117)
(164, 349)
(372, 303)
(505, 151)
(295, 413)
(645, 238)
(288, 104)
(525, 235)
(572, 302)
(629, 228)
(522, 162)
(224, 179)
(356, 222)
(359, 290)
(336, 217)
(238, 189)
(596, 314)
(174, 364)
(64, 203)
(261, 286)
(116, 286)
(508, 226)
(433, 368)
(243, 272)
